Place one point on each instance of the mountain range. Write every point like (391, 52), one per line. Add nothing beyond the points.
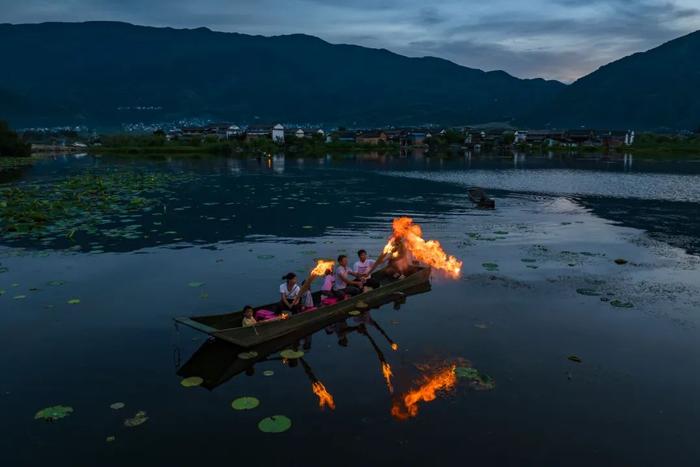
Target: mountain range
(107, 73)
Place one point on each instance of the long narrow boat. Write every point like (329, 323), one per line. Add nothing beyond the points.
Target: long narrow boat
(228, 326)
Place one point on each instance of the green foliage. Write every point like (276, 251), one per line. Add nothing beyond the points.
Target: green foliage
(10, 144)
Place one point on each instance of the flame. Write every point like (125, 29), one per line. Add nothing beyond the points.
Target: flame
(394, 346)
(407, 406)
(386, 370)
(324, 397)
(429, 252)
(321, 266)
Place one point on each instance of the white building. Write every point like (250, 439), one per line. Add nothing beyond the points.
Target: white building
(278, 133)
(519, 137)
(299, 133)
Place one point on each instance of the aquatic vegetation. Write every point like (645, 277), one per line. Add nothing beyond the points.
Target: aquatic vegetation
(588, 292)
(139, 419)
(266, 256)
(620, 304)
(110, 439)
(245, 403)
(64, 209)
(195, 284)
(574, 358)
(247, 355)
(490, 266)
(192, 381)
(268, 373)
(354, 313)
(291, 354)
(620, 261)
(117, 406)
(477, 380)
(275, 424)
(51, 414)
(73, 301)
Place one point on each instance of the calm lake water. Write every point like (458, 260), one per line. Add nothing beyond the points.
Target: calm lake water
(539, 285)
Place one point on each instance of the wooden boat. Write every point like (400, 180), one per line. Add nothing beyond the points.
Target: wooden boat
(478, 197)
(228, 326)
(217, 361)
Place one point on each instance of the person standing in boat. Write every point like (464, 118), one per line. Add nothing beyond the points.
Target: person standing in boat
(362, 269)
(289, 294)
(344, 284)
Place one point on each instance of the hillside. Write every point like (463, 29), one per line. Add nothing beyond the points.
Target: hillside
(98, 73)
(650, 90)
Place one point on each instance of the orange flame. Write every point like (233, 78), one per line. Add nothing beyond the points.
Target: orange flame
(407, 406)
(429, 252)
(321, 266)
(386, 370)
(394, 346)
(324, 397)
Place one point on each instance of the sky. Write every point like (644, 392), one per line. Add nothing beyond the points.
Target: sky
(552, 39)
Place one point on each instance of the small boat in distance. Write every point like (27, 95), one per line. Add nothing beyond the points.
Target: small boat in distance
(228, 326)
(478, 197)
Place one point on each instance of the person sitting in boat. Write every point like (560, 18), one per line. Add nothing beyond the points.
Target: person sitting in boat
(399, 261)
(327, 286)
(289, 294)
(306, 299)
(248, 318)
(362, 269)
(344, 284)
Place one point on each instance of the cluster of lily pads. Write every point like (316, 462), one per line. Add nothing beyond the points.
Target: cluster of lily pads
(91, 203)
(476, 379)
(271, 424)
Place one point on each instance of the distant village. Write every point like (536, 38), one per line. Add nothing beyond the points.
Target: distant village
(472, 138)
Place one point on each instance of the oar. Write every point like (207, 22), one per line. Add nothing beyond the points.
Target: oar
(394, 345)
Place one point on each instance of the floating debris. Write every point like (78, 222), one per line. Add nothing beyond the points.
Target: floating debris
(245, 403)
(51, 414)
(275, 424)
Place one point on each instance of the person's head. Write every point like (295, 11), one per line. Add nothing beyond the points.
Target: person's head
(343, 260)
(290, 277)
(362, 254)
(248, 311)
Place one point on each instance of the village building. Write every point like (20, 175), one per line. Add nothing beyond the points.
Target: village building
(278, 133)
(371, 137)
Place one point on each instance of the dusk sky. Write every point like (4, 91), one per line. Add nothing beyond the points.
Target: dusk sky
(557, 39)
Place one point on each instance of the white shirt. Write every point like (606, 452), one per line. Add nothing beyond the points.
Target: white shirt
(340, 271)
(290, 294)
(361, 267)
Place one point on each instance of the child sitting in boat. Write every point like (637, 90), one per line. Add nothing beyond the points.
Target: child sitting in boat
(248, 318)
(327, 287)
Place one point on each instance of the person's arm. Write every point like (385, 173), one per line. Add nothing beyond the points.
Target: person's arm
(344, 278)
(379, 261)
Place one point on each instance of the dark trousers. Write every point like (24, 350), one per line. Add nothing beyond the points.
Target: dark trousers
(283, 307)
(349, 290)
(372, 282)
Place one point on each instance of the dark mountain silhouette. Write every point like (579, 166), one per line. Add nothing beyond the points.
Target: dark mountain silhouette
(656, 89)
(99, 72)
(106, 73)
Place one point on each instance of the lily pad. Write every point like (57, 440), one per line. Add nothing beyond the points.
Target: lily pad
(528, 260)
(266, 256)
(110, 439)
(245, 403)
(51, 414)
(291, 354)
(19, 297)
(620, 261)
(275, 424)
(621, 304)
(247, 355)
(195, 284)
(490, 266)
(354, 313)
(466, 372)
(117, 406)
(192, 381)
(268, 373)
(588, 292)
(73, 301)
(574, 358)
(139, 419)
